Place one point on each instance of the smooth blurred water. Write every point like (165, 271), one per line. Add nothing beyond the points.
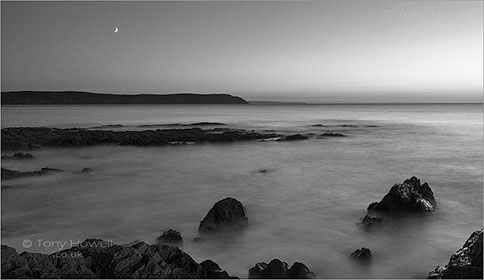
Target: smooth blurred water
(305, 208)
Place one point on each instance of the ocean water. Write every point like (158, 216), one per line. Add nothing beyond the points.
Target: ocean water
(305, 208)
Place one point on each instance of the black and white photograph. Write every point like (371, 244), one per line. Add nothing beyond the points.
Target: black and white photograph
(242, 139)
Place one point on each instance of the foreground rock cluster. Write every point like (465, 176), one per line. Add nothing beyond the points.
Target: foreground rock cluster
(277, 269)
(34, 137)
(95, 258)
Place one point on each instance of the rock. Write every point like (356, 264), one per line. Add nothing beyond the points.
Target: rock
(409, 196)
(86, 170)
(347, 125)
(277, 269)
(18, 156)
(13, 265)
(206, 123)
(332, 134)
(318, 125)
(108, 126)
(70, 264)
(197, 239)
(40, 265)
(263, 171)
(30, 137)
(227, 213)
(12, 174)
(363, 254)
(170, 237)
(211, 270)
(96, 258)
(369, 220)
(300, 271)
(466, 263)
(293, 137)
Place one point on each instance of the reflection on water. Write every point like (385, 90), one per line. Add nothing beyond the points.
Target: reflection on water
(305, 208)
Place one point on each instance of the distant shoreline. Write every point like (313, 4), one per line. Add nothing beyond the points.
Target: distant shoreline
(90, 98)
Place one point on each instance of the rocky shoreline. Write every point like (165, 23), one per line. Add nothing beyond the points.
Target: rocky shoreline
(97, 258)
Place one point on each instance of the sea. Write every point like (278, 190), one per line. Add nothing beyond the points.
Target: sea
(306, 207)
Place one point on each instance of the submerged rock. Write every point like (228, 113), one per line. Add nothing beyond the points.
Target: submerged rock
(369, 220)
(18, 156)
(206, 123)
(277, 269)
(12, 174)
(170, 237)
(332, 134)
(86, 170)
(30, 137)
(363, 254)
(225, 214)
(466, 263)
(410, 196)
(293, 137)
(95, 258)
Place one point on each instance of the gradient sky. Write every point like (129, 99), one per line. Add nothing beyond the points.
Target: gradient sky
(319, 51)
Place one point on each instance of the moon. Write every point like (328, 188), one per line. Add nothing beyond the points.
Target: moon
(116, 30)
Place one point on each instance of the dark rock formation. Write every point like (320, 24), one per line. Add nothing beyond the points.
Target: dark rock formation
(277, 269)
(369, 220)
(170, 237)
(227, 213)
(318, 125)
(33, 137)
(95, 258)
(18, 156)
(14, 266)
(212, 270)
(466, 263)
(293, 137)
(79, 97)
(332, 134)
(363, 254)
(12, 174)
(86, 170)
(407, 197)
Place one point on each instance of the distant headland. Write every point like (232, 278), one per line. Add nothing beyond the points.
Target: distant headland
(79, 97)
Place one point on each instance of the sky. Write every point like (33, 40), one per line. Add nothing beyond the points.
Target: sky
(314, 51)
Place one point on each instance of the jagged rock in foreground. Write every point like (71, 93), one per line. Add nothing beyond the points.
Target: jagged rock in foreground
(18, 156)
(170, 237)
(466, 263)
(95, 258)
(363, 254)
(12, 174)
(410, 196)
(227, 213)
(34, 137)
(277, 269)
(369, 220)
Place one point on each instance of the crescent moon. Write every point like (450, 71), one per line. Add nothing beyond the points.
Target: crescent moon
(116, 30)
